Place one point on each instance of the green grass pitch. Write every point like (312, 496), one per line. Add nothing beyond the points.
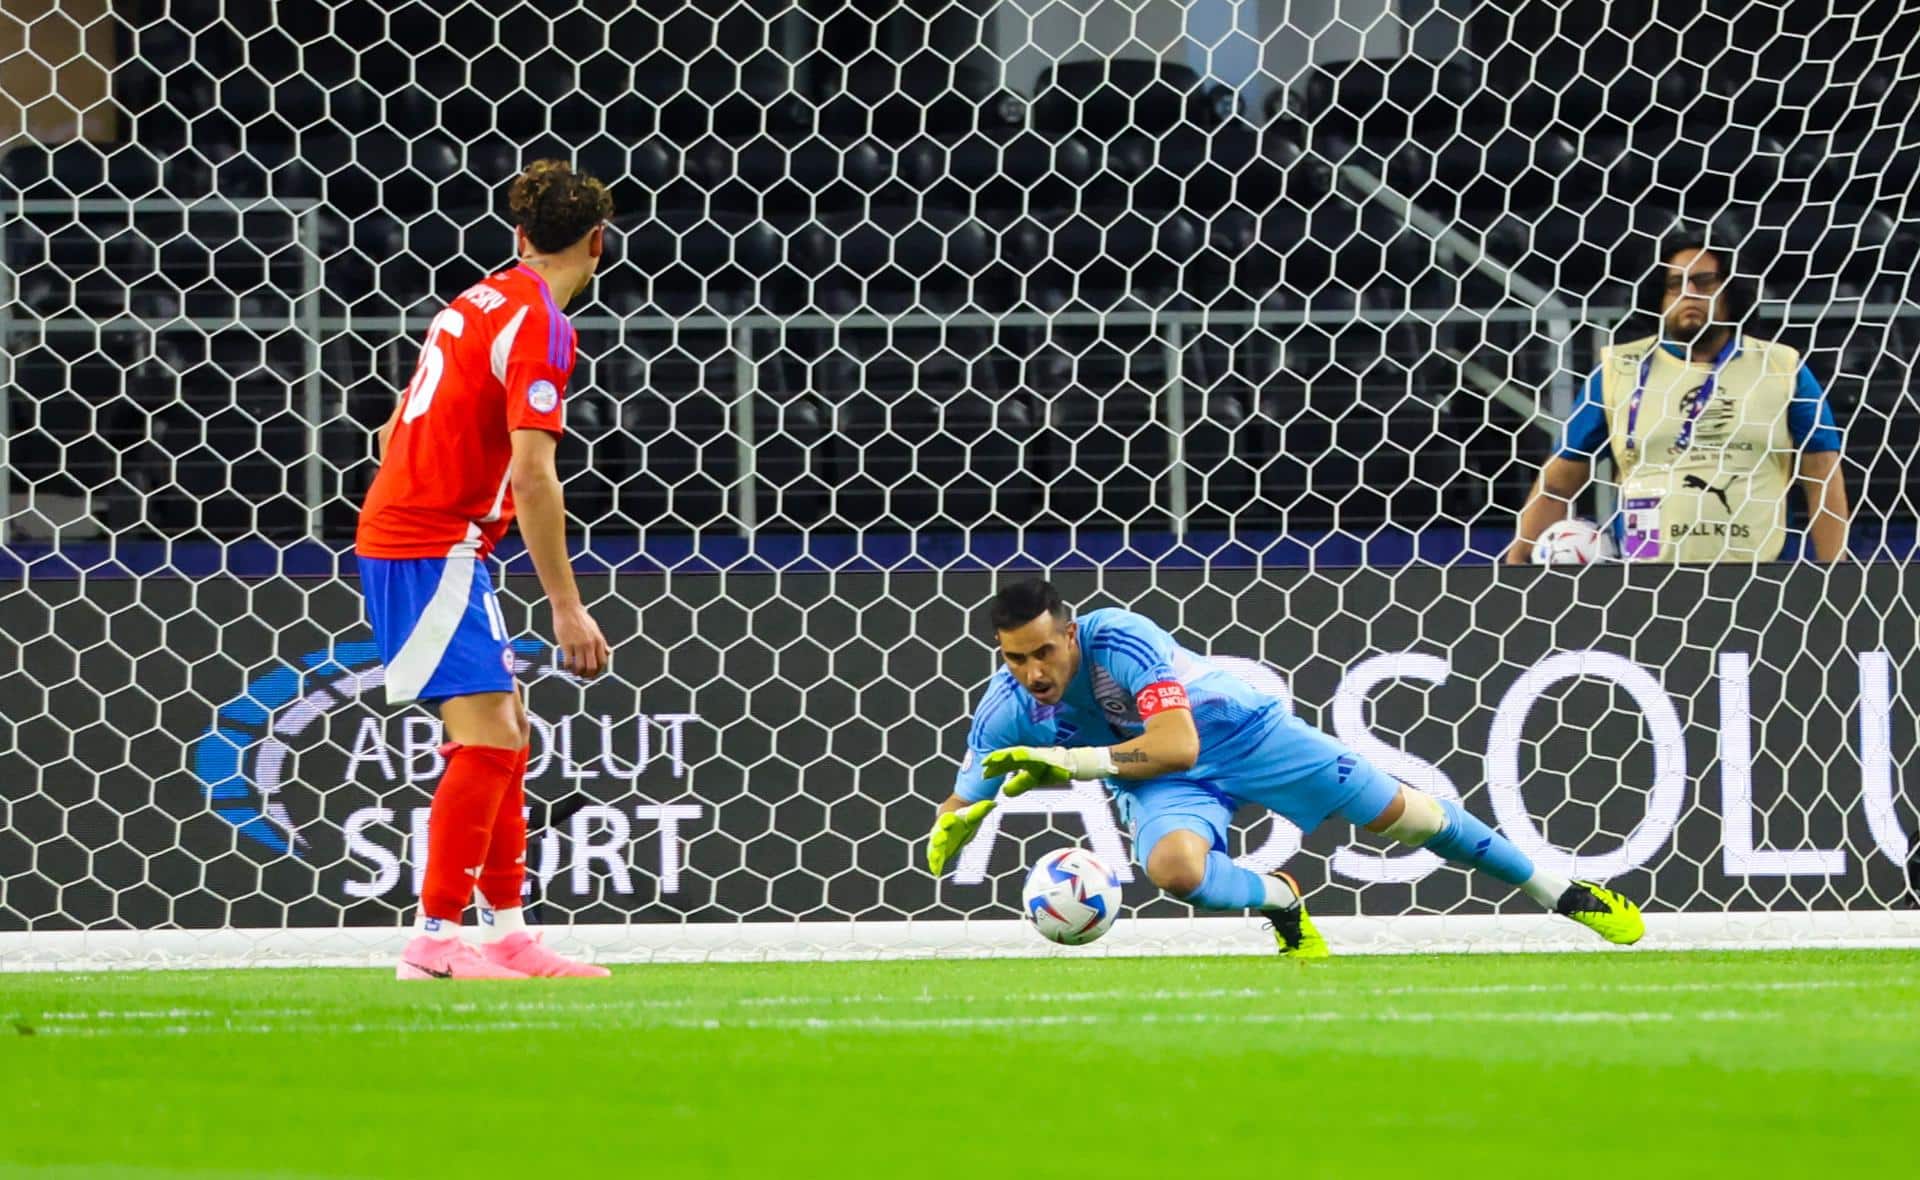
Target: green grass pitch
(1598, 1065)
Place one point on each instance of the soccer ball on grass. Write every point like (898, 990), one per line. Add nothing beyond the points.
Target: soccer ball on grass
(1071, 898)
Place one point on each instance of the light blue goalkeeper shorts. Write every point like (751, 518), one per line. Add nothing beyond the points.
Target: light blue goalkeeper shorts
(1295, 771)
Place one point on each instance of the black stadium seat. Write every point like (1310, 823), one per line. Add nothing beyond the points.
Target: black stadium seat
(895, 257)
(791, 459)
(711, 96)
(1393, 100)
(1099, 447)
(677, 426)
(1579, 251)
(1020, 171)
(1801, 249)
(918, 458)
(1509, 170)
(1102, 257)
(81, 169)
(925, 94)
(1204, 171)
(764, 176)
(1106, 97)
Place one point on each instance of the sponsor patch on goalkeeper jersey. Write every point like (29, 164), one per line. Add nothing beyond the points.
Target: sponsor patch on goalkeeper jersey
(1166, 694)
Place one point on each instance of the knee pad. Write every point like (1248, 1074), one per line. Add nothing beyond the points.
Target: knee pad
(1420, 822)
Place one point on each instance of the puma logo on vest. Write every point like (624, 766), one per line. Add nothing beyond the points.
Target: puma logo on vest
(1694, 483)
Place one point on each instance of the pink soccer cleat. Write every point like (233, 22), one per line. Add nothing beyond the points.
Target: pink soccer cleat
(449, 958)
(523, 953)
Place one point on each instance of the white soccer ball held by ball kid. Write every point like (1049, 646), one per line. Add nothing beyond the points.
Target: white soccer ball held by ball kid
(1574, 542)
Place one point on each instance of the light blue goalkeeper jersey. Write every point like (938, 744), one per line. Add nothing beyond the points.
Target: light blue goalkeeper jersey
(1122, 653)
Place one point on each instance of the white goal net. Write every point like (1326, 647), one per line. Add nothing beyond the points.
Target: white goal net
(1259, 318)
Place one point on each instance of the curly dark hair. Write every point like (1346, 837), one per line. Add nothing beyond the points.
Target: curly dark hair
(1738, 291)
(556, 205)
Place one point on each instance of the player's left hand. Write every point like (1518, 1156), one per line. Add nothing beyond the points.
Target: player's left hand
(951, 831)
(583, 649)
(1046, 766)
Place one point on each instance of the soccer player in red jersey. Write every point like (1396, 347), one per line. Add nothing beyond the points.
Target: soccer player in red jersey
(470, 444)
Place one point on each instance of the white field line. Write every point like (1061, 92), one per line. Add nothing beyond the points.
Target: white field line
(168, 1014)
(1249, 993)
(1160, 995)
(884, 1024)
(130, 1014)
(974, 938)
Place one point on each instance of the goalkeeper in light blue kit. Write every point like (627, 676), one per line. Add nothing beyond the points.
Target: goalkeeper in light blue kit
(1182, 744)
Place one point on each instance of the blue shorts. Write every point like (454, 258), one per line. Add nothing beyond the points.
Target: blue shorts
(1296, 771)
(438, 625)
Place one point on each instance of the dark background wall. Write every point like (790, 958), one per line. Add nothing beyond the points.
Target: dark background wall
(195, 754)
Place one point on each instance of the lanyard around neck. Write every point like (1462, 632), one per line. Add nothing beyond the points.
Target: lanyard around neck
(1685, 438)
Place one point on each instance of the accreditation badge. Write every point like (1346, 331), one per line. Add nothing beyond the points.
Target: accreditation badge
(1641, 529)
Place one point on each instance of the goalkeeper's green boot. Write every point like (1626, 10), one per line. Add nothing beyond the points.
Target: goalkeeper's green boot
(1602, 911)
(1293, 930)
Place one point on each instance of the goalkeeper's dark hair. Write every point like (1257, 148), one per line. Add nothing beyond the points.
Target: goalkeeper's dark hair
(1020, 603)
(1736, 291)
(556, 205)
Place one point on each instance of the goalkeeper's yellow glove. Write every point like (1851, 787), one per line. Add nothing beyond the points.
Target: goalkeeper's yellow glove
(1046, 766)
(1024, 768)
(951, 831)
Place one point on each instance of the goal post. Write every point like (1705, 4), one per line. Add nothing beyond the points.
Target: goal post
(1264, 330)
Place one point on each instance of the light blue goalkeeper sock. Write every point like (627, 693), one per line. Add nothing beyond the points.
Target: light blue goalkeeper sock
(1467, 841)
(1227, 886)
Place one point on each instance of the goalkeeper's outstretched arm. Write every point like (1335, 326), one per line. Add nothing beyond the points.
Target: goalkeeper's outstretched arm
(1170, 745)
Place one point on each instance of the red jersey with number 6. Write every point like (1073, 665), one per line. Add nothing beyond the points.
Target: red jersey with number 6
(495, 361)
